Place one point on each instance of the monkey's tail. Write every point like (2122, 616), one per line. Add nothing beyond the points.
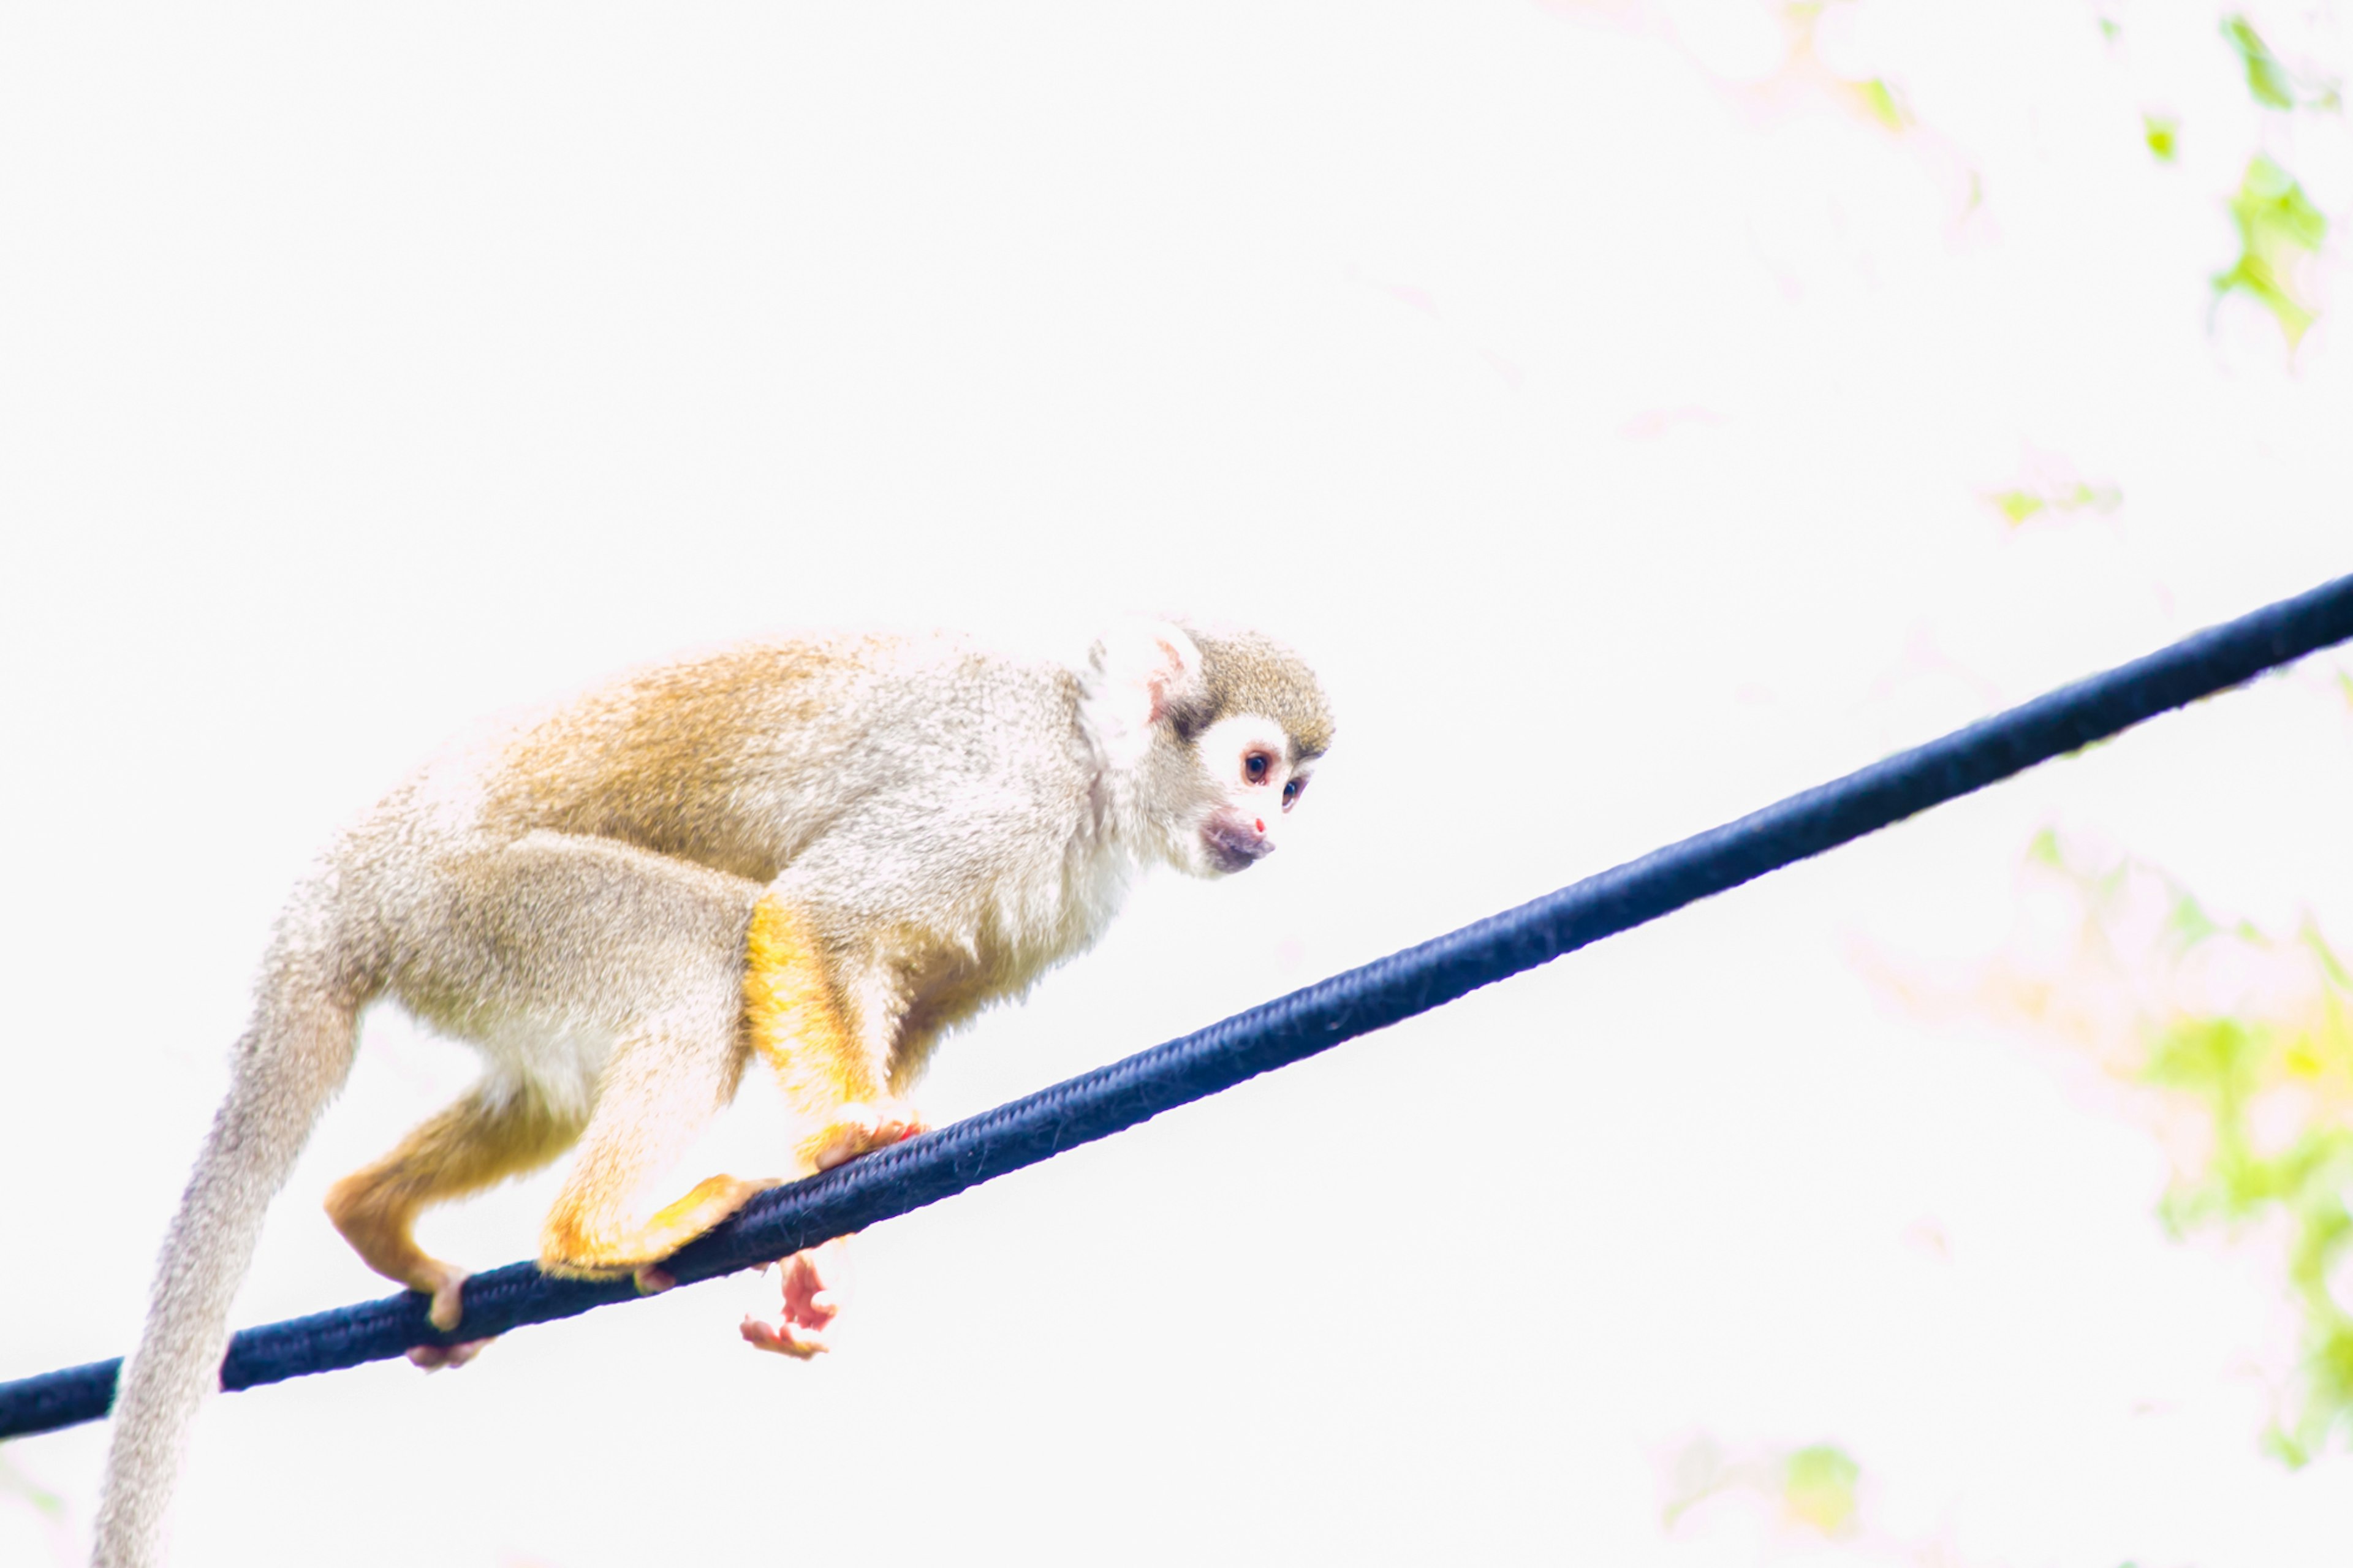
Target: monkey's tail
(293, 1057)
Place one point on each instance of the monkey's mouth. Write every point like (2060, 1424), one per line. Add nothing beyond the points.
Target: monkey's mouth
(1233, 846)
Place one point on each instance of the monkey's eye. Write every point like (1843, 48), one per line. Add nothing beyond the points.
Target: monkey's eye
(1254, 767)
(1290, 792)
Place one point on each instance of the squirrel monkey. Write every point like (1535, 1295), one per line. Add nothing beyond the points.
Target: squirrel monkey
(820, 854)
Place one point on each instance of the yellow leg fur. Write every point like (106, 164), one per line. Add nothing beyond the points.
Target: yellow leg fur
(570, 1250)
(797, 1025)
(482, 1139)
(795, 1020)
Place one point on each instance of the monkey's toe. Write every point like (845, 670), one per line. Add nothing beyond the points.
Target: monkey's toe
(861, 1127)
(433, 1358)
(446, 1283)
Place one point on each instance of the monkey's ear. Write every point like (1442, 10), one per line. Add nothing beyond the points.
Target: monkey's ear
(1142, 669)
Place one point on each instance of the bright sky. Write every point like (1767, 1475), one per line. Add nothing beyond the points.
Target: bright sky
(1606, 400)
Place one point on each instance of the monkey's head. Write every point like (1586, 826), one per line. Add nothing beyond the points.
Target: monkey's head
(1211, 738)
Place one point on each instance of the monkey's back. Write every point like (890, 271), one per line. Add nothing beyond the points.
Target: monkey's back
(742, 758)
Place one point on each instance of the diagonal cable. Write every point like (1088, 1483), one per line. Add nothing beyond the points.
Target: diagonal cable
(1094, 1105)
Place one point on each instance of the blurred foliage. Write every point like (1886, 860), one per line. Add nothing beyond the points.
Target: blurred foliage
(2022, 503)
(1876, 98)
(2270, 82)
(1880, 103)
(2279, 229)
(15, 1483)
(1814, 1487)
(2245, 1037)
(2267, 80)
(17, 1487)
(1818, 1489)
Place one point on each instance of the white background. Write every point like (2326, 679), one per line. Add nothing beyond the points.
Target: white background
(1604, 401)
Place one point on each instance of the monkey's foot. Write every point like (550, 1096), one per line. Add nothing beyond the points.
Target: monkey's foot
(444, 1282)
(861, 1127)
(569, 1250)
(433, 1358)
(812, 1299)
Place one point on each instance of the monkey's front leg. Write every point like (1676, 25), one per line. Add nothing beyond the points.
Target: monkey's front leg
(825, 1029)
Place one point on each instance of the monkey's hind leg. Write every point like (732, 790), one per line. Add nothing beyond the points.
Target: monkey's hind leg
(661, 1088)
(495, 1131)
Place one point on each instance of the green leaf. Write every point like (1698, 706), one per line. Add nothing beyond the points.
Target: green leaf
(2163, 134)
(2016, 505)
(2187, 923)
(2099, 498)
(2267, 80)
(2270, 1090)
(1818, 1487)
(2212, 1056)
(1880, 100)
(2278, 228)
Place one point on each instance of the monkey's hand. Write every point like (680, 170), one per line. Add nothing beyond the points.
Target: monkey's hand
(815, 1282)
(814, 1278)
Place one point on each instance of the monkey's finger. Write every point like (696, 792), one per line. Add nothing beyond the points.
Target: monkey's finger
(784, 1338)
(811, 1295)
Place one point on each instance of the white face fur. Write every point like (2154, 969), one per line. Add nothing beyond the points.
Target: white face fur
(1245, 757)
(1226, 815)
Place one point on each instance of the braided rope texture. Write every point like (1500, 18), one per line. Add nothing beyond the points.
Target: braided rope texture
(938, 1165)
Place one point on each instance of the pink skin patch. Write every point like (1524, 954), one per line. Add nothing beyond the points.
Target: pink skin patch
(1260, 824)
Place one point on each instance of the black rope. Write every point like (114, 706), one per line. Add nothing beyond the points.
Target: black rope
(924, 1170)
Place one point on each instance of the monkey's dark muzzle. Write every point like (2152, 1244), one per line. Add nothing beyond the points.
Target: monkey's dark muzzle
(1233, 848)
